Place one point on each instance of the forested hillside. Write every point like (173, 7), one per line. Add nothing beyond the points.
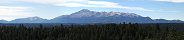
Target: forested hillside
(91, 32)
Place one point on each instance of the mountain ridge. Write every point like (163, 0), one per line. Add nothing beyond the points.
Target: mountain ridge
(29, 20)
(87, 16)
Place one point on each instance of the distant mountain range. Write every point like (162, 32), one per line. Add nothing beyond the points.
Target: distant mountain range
(29, 20)
(3, 21)
(87, 16)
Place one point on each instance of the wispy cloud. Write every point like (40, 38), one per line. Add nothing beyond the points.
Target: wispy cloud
(10, 13)
(85, 3)
(174, 1)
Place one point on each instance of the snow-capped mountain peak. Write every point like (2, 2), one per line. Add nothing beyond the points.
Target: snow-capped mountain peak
(88, 13)
(84, 10)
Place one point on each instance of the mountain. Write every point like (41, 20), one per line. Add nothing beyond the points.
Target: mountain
(29, 20)
(3, 21)
(88, 13)
(87, 16)
(167, 21)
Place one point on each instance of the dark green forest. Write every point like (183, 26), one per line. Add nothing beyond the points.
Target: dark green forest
(111, 31)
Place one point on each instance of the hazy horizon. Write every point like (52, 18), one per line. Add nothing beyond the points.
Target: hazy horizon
(49, 9)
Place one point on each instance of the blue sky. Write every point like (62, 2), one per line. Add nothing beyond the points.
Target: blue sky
(48, 9)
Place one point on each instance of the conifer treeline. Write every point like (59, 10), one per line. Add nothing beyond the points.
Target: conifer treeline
(91, 32)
